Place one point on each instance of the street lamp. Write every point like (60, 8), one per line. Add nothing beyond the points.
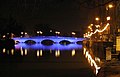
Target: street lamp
(110, 6)
(56, 32)
(26, 34)
(41, 32)
(50, 30)
(108, 18)
(73, 34)
(97, 19)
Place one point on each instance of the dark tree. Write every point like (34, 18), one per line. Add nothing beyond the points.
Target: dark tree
(10, 25)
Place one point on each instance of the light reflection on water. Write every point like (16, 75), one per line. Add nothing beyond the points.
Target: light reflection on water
(23, 49)
(52, 47)
(91, 60)
(40, 53)
(48, 57)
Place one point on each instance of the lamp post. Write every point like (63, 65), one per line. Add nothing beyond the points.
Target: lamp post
(97, 19)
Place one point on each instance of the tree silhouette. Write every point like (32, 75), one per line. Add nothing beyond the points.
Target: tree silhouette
(10, 25)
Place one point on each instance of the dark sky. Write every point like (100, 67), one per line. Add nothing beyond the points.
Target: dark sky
(66, 15)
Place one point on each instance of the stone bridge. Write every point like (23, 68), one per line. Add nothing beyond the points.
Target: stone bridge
(56, 39)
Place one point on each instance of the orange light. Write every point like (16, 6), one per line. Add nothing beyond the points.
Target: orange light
(97, 19)
(110, 5)
(91, 60)
(97, 30)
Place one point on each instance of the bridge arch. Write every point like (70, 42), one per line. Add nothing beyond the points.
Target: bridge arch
(79, 42)
(64, 42)
(30, 42)
(47, 42)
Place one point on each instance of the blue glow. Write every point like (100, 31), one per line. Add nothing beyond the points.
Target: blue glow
(56, 39)
(52, 47)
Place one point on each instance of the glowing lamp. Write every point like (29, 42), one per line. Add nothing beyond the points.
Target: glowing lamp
(108, 18)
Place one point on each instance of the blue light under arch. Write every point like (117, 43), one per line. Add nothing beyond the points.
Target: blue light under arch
(52, 47)
(56, 39)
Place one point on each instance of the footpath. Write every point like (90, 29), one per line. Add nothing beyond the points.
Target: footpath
(110, 69)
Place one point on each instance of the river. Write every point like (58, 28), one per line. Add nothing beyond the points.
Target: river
(44, 61)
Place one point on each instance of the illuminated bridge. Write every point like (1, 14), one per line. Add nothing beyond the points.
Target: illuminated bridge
(56, 39)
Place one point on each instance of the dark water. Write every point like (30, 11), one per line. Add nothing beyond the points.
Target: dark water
(29, 62)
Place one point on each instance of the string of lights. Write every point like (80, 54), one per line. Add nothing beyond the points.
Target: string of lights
(89, 34)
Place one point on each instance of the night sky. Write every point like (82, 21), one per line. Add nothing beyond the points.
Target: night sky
(65, 15)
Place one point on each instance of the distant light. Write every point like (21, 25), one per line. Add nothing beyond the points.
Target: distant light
(50, 30)
(4, 50)
(110, 5)
(25, 32)
(91, 24)
(73, 33)
(57, 32)
(108, 18)
(22, 32)
(4, 36)
(41, 32)
(37, 32)
(97, 19)
(89, 27)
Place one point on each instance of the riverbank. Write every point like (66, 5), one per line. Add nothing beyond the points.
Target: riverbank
(110, 69)
(109, 60)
